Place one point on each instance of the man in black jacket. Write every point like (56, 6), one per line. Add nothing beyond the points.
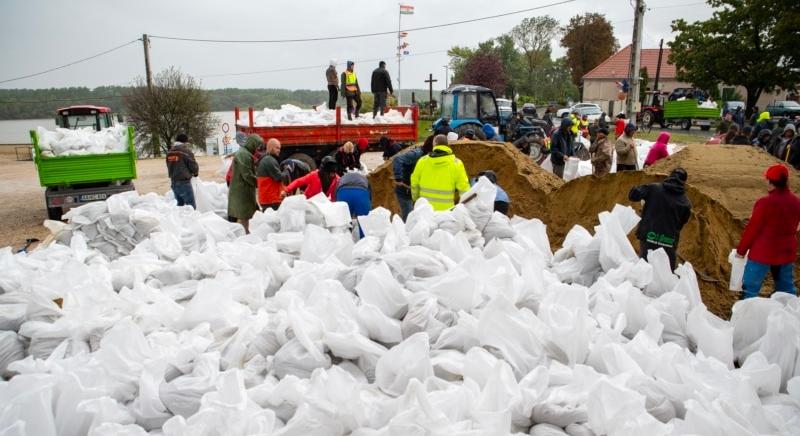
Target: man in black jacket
(561, 146)
(666, 210)
(381, 82)
(182, 166)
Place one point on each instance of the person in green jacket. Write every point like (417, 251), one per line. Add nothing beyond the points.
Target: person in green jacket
(242, 192)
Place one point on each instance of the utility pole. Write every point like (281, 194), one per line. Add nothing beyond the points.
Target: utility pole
(633, 76)
(657, 93)
(430, 91)
(148, 72)
(446, 75)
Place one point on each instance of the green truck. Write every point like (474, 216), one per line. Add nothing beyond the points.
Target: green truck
(71, 181)
(684, 113)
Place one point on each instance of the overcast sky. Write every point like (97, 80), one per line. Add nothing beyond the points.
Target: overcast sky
(36, 35)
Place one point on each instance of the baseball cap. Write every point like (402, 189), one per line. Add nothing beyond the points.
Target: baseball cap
(777, 173)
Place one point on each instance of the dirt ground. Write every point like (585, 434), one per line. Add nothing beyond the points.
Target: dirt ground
(22, 208)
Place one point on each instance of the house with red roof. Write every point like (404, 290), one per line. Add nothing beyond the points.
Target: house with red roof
(600, 84)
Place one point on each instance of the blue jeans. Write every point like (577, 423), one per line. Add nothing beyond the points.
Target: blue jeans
(183, 193)
(358, 201)
(404, 199)
(755, 272)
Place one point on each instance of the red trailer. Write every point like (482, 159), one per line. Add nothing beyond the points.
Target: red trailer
(311, 143)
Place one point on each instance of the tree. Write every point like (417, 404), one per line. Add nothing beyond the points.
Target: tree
(748, 43)
(589, 40)
(533, 36)
(484, 69)
(175, 104)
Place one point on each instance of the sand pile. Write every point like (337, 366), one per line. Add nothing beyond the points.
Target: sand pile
(724, 183)
(730, 174)
(527, 184)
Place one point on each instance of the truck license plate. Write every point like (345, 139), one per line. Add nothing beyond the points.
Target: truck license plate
(92, 197)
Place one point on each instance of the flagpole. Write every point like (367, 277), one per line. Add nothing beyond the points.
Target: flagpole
(399, 18)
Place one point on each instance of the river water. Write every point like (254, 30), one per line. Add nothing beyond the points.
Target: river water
(16, 131)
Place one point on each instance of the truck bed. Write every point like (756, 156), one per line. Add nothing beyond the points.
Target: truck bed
(688, 109)
(334, 134)
(90, 168)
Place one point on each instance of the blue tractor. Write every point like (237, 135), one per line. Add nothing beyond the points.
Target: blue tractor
(470, 107)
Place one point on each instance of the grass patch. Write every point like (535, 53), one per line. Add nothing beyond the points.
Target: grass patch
(423, 129)
(676, 136)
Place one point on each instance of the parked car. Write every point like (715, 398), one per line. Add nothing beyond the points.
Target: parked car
(731, 106)
(504, 108)
(591, 110)
(568, 110)
(786, 108)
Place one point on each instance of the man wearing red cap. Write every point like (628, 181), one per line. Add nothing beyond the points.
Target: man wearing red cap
(770, 237)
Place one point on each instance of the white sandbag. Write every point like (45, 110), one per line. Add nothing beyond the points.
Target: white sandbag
(11, 349)
(713, 336)
(571, 168)
(737, 271)
(546, 430)
(294, 359)
(511, 331)
(408, 360)
(379, 288)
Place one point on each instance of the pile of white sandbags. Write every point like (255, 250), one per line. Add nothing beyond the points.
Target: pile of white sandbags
(83, 141)
(290, 115)
(452, 323)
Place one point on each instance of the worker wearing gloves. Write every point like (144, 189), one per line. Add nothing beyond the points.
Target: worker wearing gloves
(403, 166)
(666, 210)
(626, 150)
(323, 180)
(381, 82)
(181, 167)
(770, 238)
(351, 91)
(347, 158)
(270, 180)
(242, 192)
(561, 146)
(438, 176)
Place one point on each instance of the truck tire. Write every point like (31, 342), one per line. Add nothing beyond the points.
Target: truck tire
(648, 118)
(705, 128)
(308, 160)
(462, 129)
(55, 213)
(686, 124)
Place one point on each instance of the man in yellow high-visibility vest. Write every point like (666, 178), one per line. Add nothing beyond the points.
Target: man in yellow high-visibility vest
(351, 91)
(438, 176)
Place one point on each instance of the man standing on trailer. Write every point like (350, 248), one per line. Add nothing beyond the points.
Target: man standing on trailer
(333, 84)
(381, 82)
(351, 91)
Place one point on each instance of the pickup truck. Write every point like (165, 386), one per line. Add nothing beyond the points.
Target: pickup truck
(71, 181)
(786, 108)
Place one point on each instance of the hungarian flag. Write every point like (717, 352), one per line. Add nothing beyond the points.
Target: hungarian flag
(406, 9)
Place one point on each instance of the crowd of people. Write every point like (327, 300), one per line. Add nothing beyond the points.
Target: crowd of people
(776, 138)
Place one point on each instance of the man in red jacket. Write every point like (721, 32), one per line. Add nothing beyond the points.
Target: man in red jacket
(771, 236)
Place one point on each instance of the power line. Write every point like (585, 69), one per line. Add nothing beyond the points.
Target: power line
(71, 63)
(310, 67)
(362, 35)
